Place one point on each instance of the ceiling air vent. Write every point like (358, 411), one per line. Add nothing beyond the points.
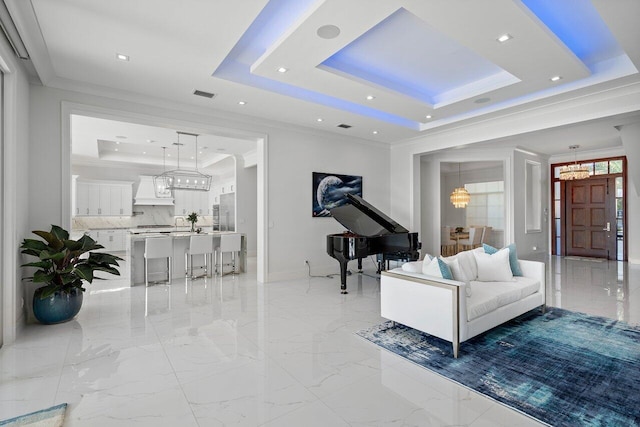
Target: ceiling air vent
(203, 93)
(344, 126)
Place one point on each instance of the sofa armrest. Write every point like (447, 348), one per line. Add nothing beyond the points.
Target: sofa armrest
(536, 270)
(432, 305)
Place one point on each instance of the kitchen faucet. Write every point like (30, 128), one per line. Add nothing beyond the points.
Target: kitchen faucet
(176, 221)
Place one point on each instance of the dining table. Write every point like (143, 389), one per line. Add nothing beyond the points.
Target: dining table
(457, 236)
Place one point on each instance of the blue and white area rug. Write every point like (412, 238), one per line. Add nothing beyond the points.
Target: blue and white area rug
(50, 417)
(562, 368)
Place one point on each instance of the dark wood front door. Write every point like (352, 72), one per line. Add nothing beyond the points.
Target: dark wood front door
(591, 222)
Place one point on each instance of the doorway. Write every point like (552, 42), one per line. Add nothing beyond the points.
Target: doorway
(590, 214)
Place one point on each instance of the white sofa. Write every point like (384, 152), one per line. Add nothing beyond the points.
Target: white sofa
(457, 310)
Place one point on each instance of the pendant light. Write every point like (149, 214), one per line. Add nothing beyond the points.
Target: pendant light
(160, 182)
(460, 196)
(574, 171)
(185, 179)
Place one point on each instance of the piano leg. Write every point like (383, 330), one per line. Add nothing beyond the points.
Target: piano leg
(359, 265)
(343, 277)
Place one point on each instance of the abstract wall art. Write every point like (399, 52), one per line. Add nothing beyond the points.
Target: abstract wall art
(329, 191)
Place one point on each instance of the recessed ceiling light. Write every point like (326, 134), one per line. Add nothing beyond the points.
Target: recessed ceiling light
(375, 132)
(191, 157)
(168, 155)
(242, 102)
(199, 152)
(122, 57)
(370, 97)
(116, 149)
(505, 37)
(150, 140)
(319, 119)
(282, 70)
(428, 116)
(117, 142)
(555, 78)
(144, 152)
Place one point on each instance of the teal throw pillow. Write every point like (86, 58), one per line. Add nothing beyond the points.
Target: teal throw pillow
(513, 257)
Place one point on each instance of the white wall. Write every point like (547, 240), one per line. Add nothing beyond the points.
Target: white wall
(293, 154)
(530, 244)
(247, 204)
(405, 171)
(436, 210)
(15, 178)
(295, 236)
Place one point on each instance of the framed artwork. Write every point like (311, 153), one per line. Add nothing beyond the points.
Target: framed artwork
(329, 189)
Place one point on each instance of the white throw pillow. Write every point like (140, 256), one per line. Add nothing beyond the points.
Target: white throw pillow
(456, 270)
(412, 267)
(436, 268)
(493, 268)
(468, 263)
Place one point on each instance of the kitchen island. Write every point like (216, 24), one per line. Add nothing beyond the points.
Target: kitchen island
(157, 267)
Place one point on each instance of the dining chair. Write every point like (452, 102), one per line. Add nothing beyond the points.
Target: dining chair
(475, 236)
(486, 234)
(447, 244)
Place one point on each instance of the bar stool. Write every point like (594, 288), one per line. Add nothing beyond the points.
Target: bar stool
(157, 247)
(229, 242)
(200, 244)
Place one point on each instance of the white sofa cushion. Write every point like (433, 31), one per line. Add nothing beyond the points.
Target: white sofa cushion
(513, 257)
(489, 296)
(495, 267)
(412, 266)
(436, 268)
(467, 263)
(528, 286)
(458, 272)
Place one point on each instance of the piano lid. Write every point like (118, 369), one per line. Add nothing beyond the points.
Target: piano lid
(363, 219)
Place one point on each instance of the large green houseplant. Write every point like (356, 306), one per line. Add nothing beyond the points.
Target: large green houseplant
(62, 269)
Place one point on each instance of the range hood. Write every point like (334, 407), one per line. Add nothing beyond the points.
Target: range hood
(146, 194)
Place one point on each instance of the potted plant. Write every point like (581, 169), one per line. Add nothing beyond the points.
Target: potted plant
(193, 218)
(63, 269)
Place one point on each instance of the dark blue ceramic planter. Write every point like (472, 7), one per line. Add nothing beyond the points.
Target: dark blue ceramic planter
(57, 308)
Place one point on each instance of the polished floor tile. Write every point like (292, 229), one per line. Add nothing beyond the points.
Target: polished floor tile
(233, 352)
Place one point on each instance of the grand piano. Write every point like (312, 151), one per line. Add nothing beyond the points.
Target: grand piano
(370, 232)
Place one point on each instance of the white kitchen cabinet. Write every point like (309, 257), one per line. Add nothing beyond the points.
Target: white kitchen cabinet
(113, 240)
(87, 198)
(103, 198)
(187, 202)
(120, 199)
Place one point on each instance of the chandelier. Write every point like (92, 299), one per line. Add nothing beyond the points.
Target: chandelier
(460, 196)
(160, 184)
(183, 179)
(573, 171)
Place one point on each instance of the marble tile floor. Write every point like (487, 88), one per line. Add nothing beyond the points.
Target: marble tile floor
(234, 352)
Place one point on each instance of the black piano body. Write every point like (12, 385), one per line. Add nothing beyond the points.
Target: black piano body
(370, 232)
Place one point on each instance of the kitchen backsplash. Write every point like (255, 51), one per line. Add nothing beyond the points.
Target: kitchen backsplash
(143, 215)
